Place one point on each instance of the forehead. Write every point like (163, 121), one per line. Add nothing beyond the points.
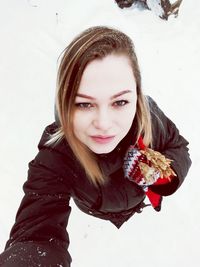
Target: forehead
(107, 76)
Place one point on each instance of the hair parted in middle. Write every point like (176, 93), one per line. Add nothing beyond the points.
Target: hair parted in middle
(94, 43)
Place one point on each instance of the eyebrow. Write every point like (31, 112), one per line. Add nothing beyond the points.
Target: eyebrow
(112, 97)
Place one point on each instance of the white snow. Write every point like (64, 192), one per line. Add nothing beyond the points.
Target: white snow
(33, 34)
(156, 7)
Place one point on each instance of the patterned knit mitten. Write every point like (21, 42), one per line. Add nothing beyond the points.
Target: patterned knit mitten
(146, 167)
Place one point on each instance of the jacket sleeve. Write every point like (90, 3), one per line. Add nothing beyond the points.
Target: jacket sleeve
(167, 140)
(39, 237)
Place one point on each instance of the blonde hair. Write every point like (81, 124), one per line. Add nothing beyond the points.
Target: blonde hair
(95, 42)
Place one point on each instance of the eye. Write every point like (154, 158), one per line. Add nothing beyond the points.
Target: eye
(84, 105)
(120, 103)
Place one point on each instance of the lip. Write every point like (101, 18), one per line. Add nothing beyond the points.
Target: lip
(102, 139)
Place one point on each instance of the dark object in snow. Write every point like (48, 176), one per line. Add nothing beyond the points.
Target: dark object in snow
(124, 3)
(162, 8)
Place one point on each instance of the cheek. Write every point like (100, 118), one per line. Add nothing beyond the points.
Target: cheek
(126, 124)
(77, 123)
(127, 117)
(80, 122)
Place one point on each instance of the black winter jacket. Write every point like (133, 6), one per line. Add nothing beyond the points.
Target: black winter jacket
(39, 237)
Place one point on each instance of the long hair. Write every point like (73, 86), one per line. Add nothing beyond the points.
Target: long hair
(93, 43)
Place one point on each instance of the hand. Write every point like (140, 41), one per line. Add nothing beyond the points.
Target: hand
(137, 168)
(147, 167)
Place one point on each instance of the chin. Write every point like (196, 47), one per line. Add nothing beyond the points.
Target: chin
(102, 150)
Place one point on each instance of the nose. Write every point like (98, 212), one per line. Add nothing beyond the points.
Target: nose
(102, 120)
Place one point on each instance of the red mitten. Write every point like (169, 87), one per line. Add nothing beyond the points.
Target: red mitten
(146, 167)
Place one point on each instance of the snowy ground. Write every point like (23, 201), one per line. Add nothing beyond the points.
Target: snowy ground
(33, 33)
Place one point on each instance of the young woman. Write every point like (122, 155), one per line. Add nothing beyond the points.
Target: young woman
(109, 148)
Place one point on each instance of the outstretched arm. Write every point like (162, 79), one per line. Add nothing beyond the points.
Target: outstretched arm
(39, 237)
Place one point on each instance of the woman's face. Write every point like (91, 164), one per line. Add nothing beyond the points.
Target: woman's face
(105, 103)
